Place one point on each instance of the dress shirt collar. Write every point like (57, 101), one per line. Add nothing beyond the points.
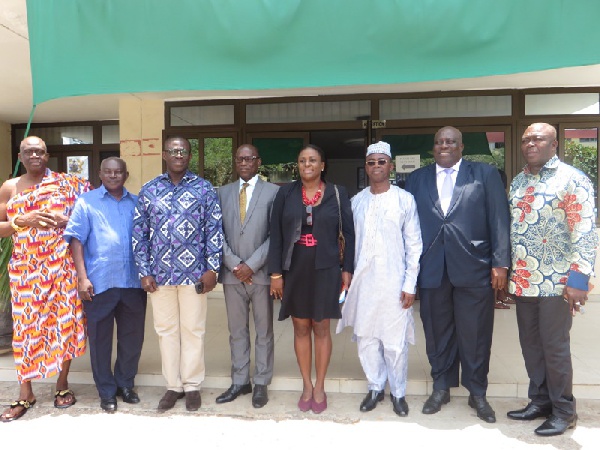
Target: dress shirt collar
(439, 169)
(104, 192)
(252, 181)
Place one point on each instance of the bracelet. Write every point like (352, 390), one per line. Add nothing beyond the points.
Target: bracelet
(214, 271)
(275, 277)
(14, 224)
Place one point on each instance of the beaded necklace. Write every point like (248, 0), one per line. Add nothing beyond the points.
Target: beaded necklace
(315, 199)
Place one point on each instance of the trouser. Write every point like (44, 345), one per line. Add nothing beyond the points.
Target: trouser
(458, 324)
(383, 363)
(180, 322)
(238, 299)
(544, 327)
(126, 307)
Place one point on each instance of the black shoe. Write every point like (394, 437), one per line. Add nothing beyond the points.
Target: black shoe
(108, 404)
(553, 426)
(530, 412)
(371, 399)
(400, 405)
(193, 400)
(169, 399)
(128, 395)
(435, 401)
(484, 410)
(234, 391)
(260, 397)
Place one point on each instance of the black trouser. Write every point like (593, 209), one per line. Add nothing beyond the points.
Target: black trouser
(544, 326)
(126, 307)
(458, 324)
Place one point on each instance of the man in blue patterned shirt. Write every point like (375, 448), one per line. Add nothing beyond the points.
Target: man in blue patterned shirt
(177, 242)
(553, 239)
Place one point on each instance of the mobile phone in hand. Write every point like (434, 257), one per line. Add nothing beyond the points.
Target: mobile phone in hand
(199, 287)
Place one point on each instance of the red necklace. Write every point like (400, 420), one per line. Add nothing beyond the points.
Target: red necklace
(315, 199)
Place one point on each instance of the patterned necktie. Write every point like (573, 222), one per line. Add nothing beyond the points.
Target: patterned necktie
(243, 202)
(447, 187)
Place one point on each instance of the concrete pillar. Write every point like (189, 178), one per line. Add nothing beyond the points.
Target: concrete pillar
(141, 123)
(5, 153)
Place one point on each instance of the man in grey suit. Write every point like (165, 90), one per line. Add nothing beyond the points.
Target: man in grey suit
(246, 206)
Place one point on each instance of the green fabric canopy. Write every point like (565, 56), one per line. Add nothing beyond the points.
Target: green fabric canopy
(81, 47)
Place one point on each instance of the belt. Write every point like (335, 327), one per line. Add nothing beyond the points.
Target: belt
(307, 240)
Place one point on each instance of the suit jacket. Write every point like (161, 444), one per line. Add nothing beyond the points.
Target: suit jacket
(286, 225)
(248, 241)
(473, 237)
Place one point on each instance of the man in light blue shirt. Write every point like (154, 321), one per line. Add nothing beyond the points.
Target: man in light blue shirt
(99, 233)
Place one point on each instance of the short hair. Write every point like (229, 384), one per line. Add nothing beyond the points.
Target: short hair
(120, 161)
(176, 138)
(321, 153)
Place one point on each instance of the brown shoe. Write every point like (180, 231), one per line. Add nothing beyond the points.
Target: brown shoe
(169, 399)
(193, 401)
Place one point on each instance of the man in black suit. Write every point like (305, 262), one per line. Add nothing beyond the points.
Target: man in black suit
(464, 218)
(246, 204)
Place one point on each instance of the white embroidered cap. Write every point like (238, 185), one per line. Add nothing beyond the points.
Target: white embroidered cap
(380, 147)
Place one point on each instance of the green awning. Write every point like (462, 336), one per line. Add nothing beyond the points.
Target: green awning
(80, 47)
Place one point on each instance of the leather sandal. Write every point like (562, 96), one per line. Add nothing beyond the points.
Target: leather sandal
(24, 404)
(63, 394)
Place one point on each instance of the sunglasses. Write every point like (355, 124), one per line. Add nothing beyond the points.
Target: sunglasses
(178, 151)
(379, 162)
(309, 218)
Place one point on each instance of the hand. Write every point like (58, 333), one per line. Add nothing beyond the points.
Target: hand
(86, 289)
(243, 272)
(346, 280)
(209, 278)
(499, 278)
(149, 284)
(576, 299)
(37, 219)
(407, 299)
(277, 288)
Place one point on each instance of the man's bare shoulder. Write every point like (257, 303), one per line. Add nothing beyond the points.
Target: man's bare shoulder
(8, 189)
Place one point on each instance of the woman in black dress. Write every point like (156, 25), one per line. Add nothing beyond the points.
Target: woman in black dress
(305, 268)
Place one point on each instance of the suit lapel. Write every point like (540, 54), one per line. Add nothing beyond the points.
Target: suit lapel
(235, 198)
(253, 201)
(462, 177)
(431, 180)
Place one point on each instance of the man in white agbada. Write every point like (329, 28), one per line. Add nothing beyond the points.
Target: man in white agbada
(380, 298)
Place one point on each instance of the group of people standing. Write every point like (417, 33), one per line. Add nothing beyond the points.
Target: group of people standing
(452, 233)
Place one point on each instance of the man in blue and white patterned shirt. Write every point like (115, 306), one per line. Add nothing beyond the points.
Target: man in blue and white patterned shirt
(177, 242)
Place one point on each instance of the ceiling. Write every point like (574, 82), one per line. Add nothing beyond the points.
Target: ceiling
(16, 93)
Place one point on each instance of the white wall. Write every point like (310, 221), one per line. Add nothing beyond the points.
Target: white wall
(6, 167)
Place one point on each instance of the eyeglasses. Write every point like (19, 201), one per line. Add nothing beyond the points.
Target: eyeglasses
(309, 219)
(246, 159)
(449, 142)
(178, 151)
(379, 162)
(30, 151)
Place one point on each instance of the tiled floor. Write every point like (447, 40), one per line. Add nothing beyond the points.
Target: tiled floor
(507, 376)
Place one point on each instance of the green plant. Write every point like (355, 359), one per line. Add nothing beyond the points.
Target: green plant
(5, 254)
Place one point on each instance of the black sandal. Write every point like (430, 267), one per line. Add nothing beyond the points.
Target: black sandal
(24, 404)
(63, 394)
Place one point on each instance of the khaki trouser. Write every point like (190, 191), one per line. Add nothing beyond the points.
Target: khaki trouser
(180, 322)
